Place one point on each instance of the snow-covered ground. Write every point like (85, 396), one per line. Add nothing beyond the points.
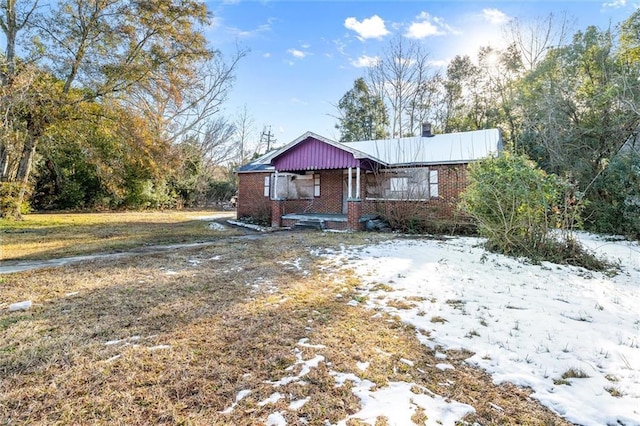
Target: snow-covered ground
(532, 325)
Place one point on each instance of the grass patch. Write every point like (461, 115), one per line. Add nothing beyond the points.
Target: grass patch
(575, 373)
(572, 373)
(382, 287)
(472, 333)
(614, 392)
(400, 304)
(45, 236)
(174, 337)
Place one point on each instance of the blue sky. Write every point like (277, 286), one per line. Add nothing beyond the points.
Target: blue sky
(304, 55)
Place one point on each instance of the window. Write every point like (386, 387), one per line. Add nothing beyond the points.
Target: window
(399, 185)
(433, 183)
(267, 185)
(316, 185)
(292, 186)
(417, 183)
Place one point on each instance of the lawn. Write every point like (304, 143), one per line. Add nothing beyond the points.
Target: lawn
(259, 329)
(44, 236)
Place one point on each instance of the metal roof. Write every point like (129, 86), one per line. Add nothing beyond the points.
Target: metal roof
(449, 148)
(258, 165)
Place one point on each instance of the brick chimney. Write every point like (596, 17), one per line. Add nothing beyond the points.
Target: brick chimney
(426, 130)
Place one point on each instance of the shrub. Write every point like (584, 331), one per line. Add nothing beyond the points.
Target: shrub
(517, 205)
(220, 191)
(614, 206)
(9, 192)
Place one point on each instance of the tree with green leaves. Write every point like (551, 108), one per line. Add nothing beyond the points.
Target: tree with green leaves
(363, 115)
(93, 51)
(574, 120)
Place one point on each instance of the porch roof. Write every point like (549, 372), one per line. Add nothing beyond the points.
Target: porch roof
(314, 152)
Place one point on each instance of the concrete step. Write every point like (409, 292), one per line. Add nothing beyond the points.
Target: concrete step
(310, 224)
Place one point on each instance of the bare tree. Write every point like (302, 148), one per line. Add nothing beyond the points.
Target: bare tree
(179, 105)
(534, 37)
(216, 143)
(16, 17)
(245, 127)
(398, 78)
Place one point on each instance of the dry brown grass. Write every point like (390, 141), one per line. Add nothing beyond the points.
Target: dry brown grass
(210, 322)
(45, 236)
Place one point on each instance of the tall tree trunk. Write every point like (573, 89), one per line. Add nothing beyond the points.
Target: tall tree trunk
(24, 171)
(35, 130)
(4, 162)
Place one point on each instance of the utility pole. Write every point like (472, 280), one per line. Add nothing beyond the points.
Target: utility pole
(267, 137)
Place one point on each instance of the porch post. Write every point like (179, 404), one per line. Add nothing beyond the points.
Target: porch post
(349, 185)
(358, 182)
(354, 212)
(275, 186)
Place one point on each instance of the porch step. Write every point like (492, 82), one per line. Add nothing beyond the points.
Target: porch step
(310, 223)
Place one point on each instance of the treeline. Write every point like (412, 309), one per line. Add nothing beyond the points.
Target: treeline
(114, 104)
(570, 102)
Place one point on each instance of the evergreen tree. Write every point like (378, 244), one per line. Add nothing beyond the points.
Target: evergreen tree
(363, 115)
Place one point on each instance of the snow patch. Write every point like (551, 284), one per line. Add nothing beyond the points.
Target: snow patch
(215, 226)
(273, 398)
(276, 419)
(20, 306)
(527, 324)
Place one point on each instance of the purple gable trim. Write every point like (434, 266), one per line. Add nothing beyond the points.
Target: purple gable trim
(313, 154)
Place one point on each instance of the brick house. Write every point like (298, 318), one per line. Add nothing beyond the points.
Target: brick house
(314, 180)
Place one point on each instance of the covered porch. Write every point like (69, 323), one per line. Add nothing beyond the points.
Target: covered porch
(317, 184)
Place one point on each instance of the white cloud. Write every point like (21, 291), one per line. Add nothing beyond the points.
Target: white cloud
(615, 4)
(365, 61)
(427, 26)
(266, 55)
(439, 63)
(216, 22)
(340, 46)
(367, 28)
(299, 54)
(251, 33)
(495, 16)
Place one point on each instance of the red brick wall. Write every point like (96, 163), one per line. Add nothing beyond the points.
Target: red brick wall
(452, 180)
(251, 199)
